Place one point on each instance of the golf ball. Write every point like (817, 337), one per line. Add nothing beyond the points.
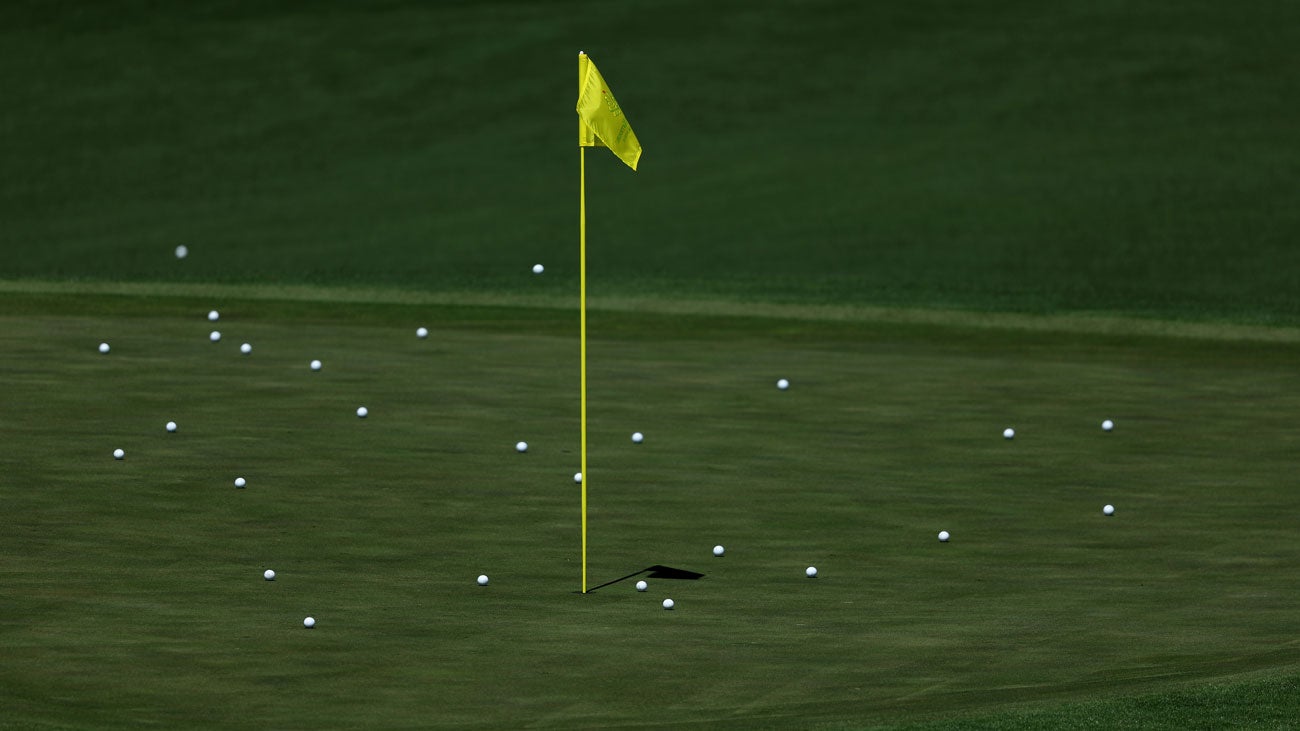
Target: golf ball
(783, 384)
(482, 580)
(521, 447)
(171, 426)
(638, 437)
(118, 454)
(669, 604)
(240, 482)
(362, 412)
(214, 336)
(422, 332)
(182, 251)
(577, 477)
(538, 269)
(1008, 433)
(719, 550)
(269, 575)
(642, 586)
(103, 347)
(315, 365)
(309, 622)
(810, 572)
(245, 348)
(213, 316)
(943, 536)
(1108, 510)
(1107, 425)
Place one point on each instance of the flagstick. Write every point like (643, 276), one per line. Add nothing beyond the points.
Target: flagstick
(582, 277)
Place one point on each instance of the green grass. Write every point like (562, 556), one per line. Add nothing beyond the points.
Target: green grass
(1083, 156)
(937, 219)
(133, 589)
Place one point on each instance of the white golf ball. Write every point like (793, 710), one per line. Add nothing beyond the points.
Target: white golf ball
(943, 536)
(240, 482)
(213, 316)
(362, 412)
(309, 622)
(669, 604)
(1108, 510)
(642, 586)
(783, 384)
(577, 477)
(118, 454)
(315, 365)
(214, 336)
(719, 550)
(482, 580)
(422, 332)
(638, 437)
(1008, 433)
(103, 347)
(269, 575)
(1107, 425)
(245, 348)
(521, 447)
(538, 269)
(171, 426)
(811, 572)
(182, 251)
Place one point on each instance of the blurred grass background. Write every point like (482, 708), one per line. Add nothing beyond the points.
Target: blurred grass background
(1012, 156)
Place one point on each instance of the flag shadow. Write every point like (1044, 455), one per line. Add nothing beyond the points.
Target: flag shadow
(658, 571)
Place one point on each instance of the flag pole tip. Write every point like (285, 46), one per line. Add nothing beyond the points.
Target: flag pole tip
(582, 53)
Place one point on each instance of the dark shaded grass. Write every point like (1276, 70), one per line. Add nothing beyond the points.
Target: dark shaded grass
(1073, 157)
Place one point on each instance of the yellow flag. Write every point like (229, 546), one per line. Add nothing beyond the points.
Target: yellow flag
(600, 118)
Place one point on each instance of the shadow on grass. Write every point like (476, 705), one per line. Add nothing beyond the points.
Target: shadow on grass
(658, 571)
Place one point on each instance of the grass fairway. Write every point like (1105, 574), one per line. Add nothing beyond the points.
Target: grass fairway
(133, 591)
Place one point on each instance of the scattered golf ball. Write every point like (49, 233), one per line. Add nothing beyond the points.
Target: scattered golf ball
(422, 332)
(214, 336)
(103, 347)
(315, 365)
(482, 580)
(811, 572)
(309, 622)
(719, 550)
(642, 586)
(1107, 425)
(118, 454)
(669, 604)
(577, 477)
(245, 348)
(1008, 433)
(1108, 510)
(538, 269)
(213, 316)
(521, 447)
(943, 536)
(362, 412)
(269, 575)
(171, 426)
(783, 384)
(182, 251)
(240, 482)
(638, 437)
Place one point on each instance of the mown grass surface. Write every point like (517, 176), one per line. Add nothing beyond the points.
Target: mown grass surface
(1077, 156)
(134, 592)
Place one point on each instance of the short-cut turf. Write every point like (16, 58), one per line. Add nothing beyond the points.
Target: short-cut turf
(134, 592)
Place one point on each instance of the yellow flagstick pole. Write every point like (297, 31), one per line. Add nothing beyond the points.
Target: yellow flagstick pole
(582, 277)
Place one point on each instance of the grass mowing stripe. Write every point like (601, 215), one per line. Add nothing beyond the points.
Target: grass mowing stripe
(36, 296)
(134, 591)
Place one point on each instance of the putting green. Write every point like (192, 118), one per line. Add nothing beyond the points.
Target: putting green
(134, 591)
